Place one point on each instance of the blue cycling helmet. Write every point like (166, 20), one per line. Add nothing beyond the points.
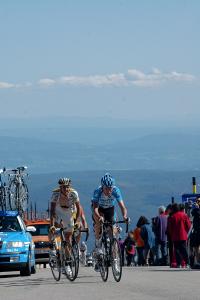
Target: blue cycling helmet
(107, 180)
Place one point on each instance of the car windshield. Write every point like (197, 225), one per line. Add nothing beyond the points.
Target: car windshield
(41, 229)
(9, 223)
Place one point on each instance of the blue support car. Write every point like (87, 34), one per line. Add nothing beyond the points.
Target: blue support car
(17, 250)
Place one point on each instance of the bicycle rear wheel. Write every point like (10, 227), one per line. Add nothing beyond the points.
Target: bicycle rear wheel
(69, 266)
(103, 262)
(116, 260)
(55, 264)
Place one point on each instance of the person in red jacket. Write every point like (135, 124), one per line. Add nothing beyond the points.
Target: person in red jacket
(178, 228)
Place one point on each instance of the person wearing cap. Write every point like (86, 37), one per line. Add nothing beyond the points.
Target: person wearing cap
(104, 200)
(64, 201)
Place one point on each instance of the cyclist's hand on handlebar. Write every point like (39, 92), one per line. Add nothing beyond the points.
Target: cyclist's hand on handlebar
(101, 219)
(76, 225)
(52, 229)
(127, 220)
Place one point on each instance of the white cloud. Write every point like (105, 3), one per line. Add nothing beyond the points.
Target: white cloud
(45, 82)
(6, 85)
(133, 77)
(156, 77)
(95, 80)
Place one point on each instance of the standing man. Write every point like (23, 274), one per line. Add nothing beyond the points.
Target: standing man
(160, 231)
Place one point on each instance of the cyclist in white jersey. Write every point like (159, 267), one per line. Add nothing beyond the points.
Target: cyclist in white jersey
(103, 205)
(64, 200)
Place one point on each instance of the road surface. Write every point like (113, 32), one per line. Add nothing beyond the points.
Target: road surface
(137, 283)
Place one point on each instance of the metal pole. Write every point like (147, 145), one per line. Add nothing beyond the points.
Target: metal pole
(35, 212)
(194, 186)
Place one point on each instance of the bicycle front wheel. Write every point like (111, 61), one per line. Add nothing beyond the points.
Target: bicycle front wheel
(103, 262)
(55, 264)
(69, 266)
(76, 253)
(116, 260)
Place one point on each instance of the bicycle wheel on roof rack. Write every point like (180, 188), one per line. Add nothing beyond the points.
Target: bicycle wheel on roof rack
(22, 197)
(2, 198)
(13, 195)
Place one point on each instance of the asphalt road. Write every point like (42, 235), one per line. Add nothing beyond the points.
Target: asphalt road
(137, 283)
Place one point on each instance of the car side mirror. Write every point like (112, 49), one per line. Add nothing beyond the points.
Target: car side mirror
(31, 229)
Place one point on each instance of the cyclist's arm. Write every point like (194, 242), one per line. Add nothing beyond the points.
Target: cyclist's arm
(78, 209)
(96, 210)
(54, 199)
(52, 213)
(123, 209)
(83, 219)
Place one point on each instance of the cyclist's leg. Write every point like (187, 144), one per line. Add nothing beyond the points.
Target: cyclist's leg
(109, 215)
(97, 226)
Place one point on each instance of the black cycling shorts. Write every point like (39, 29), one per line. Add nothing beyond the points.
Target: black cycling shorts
(108, 213)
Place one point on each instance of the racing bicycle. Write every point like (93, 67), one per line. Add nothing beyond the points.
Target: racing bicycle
(62, 257)
(111, 253)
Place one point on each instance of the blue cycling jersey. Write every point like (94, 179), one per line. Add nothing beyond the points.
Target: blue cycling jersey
(106, 201)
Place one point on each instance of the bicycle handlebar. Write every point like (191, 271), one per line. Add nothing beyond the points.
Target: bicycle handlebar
(127, 221)
(18, 170)
(87, 231)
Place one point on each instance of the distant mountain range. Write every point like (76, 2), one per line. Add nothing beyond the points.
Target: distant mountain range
(143, 191)
(150, 152)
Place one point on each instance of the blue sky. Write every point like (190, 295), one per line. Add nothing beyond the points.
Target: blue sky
(125, 59)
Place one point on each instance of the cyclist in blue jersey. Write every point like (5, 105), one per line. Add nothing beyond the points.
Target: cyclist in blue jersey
(104, 200)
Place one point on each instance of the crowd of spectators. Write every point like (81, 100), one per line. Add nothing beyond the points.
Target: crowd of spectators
(171, 238)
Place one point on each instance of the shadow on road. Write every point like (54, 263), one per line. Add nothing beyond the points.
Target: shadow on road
(9, 276)
(170, 270)
(31, 281)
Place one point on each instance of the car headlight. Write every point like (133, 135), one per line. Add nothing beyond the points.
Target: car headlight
(15, 244)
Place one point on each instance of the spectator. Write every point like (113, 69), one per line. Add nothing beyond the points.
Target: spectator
(129, 244)
(178, 227)
(160, 231)
(168, 212)
(148, 237)
(195, 234)
(139, 246)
